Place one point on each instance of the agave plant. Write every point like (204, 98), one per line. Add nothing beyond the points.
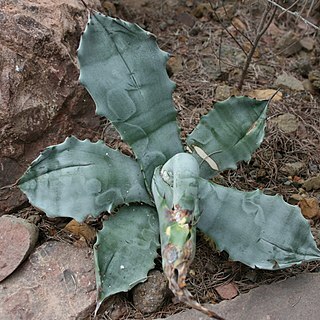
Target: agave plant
(166, 189)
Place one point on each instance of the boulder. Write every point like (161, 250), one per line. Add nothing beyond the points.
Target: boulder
(41, 101)
(17, 239)
(56, 282)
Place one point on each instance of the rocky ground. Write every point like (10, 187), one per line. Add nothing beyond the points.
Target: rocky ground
(42, 103)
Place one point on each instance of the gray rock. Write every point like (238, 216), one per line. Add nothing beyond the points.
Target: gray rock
(288, 82)
(293, 168)
(295, 298)
(17, 239)
(222, 93)
(56, 282)
(307, 43)
(314, 77)
(289, 44)
(286, 122)
(312, 183)
(150, 295)
(174, 65)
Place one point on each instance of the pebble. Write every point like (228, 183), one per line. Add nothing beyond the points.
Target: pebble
(312, 183)
(286, 122)
(149, 296)
(289, 82)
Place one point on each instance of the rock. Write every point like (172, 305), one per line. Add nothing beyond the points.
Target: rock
(309, 207)
(222, 92)
(314, 77)
(41, 101)
(150, 295)
(312, 183)
(295, 298)
(163, 26)
(227, 291)
(186, 18)
(288, 44)
(288, 82)
(109, 7)
(174, 65)
(293, 168)
(303, 67)
(202, 9)
(286, 122)
(307, 43)
(17, 239)
(307, 85)
(56, 282)
(115, 307)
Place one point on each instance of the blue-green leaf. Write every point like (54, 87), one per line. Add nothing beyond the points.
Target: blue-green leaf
(124, 71)
(79, 178)
(125, 250)
(258, 230)
(229, 133)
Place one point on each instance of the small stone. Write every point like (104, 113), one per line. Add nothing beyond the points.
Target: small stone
(174, 65)
(57, 281)
(293, 168)
(194, 31)
(307, 43)
(163, 26)
(313, 167)
(312, 183)
(222, 92)
(202, 10)
(115, 307)
(186, 18)
(314, 77)
(289, 44)
(227, 291)
(310, 207)
(150, 295)
(286, 122)
(17, 239)
(109, 7)
(303, 67)
(289, 82)
(307, 85)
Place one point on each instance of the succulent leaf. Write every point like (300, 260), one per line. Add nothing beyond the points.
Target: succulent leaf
(229, 133)
(175, 191)
(79, 178)
(125, 250)
(258, 230)
(124, 71)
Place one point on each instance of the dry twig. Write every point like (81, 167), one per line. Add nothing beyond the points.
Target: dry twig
(263, 27)
(294, 13)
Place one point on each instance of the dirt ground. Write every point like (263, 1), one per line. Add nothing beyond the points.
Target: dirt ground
(207, 60)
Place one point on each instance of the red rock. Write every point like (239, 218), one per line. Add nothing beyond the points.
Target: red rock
(17, 239)
(227, 291)
(56, 282)
(41, 101)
